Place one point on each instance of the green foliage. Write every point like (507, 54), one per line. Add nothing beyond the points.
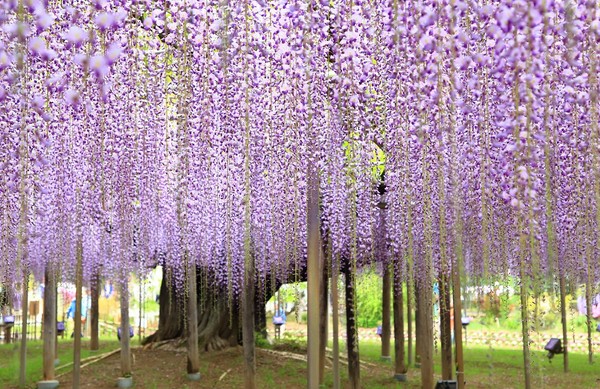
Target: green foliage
(292, 343)
(261, 341)
(369, 286)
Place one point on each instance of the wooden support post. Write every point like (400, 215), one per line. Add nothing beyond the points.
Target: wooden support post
(409, 319)
(588, 312)
(323, 305)
(49, 326)
(234, 324)
(458, 344)
(193, 363)
(77, 317)
(335, 269)
(418, 332)
(386, 313)
(260, 313)
(425, 316)
(94, 311)
(248, 324)
(445, 330)
(563, 319)
(400, 367)
(24, 310)
(313, 278)
(56, 359)
(352, 331)
(125, 344)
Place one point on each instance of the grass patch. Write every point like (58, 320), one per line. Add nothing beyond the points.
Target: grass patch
(9, 358)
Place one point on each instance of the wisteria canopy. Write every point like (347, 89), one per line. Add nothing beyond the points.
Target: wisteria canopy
(146, 131)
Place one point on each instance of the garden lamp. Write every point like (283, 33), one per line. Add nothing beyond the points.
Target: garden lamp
(446, 384)
(553, 347)
(9, 320)
(119, 332)
(465, 321)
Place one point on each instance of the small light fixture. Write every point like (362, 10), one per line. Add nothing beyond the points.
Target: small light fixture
(446, 384)
(119, 332)
(8, 320)
(465, 321)
(553, 347)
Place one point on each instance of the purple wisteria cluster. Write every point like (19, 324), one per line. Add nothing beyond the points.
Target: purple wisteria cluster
(130, 128)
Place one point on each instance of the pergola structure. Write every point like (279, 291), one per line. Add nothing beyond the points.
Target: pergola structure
(264, 141)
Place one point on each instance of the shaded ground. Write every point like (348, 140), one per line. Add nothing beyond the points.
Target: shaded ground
(161, 369)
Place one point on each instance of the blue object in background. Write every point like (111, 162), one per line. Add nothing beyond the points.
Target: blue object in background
(279, 318)
(84, 308)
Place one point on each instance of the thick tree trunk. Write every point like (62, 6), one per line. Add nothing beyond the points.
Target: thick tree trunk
(386, 313)
(218, 322)
(400, 368)
(94, 312)
(352, 331)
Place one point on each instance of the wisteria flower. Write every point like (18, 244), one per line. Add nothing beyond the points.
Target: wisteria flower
(148, 22)
(105, 21)
(76, 36)
(56, 82)
(48, 55)
(43, 21)
(82, 60)
(34, 6)
(18, 30)
(99, 65)
(99, 4)
(37, 103)
(113, 53)
(37, 45)
(5, 60)
(72, 98)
